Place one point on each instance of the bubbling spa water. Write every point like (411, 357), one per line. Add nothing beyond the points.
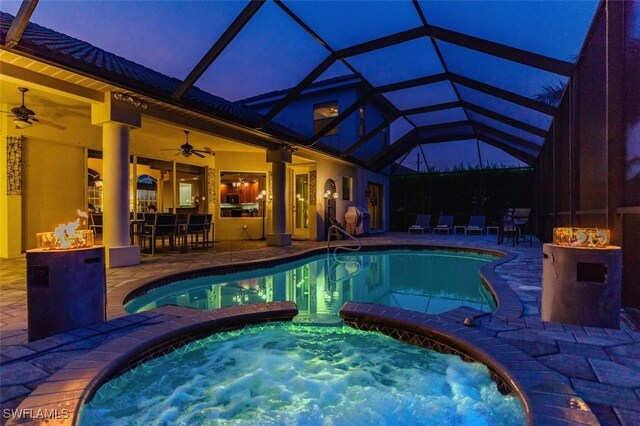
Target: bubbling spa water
(291, 374)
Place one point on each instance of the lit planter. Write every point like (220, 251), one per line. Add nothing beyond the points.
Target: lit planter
(66, 282)
(65, 237)
(581, 278)
(581, 237)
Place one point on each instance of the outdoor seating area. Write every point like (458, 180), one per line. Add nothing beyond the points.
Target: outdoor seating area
(165, 231)
(446, 225)
(514, 227)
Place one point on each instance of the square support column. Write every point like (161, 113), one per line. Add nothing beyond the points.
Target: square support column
(279, 159)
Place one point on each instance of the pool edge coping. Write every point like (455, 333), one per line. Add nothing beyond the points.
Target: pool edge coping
(67, 390)
(545, 397)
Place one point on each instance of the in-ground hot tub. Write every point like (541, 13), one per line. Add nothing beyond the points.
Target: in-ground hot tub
(291, 374)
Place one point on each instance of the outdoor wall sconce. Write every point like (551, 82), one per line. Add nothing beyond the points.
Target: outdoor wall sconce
(581, 237)
(330, 195)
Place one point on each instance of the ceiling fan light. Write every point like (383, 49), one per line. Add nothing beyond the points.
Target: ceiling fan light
(21, 123)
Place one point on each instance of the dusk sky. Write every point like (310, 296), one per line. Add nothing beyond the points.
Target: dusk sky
(273, 52)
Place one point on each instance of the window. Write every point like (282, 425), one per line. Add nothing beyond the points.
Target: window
(347, 185)
(95, 191)
(362, 126)
(323, 114)
(147, 192)
(186, 199)
(241, 194)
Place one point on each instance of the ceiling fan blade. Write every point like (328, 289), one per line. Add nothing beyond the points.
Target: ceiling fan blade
(197, 154)
(49, 123)
(201, 151)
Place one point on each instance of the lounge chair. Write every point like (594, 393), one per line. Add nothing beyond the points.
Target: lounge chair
(445, 224)
(476, 224)
(422, 223)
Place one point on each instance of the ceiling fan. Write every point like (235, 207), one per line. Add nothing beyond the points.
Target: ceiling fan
(24, 117)
(186, 149)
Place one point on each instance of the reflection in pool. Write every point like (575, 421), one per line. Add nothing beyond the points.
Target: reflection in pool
(430, 281)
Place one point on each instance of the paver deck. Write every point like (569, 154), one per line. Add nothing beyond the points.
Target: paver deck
(602, 365)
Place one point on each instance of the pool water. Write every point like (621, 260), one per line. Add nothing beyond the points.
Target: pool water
(426, 281)
(303, 375)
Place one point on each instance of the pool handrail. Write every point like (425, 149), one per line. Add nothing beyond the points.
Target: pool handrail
(343, 232)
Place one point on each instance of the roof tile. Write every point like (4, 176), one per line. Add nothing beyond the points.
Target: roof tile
(83, 57)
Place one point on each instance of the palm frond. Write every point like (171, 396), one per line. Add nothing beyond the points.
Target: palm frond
(551, 94)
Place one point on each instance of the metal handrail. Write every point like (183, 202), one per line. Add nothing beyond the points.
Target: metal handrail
(344, 262)
(343, 232)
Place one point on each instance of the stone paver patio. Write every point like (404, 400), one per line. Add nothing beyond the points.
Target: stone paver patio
(602, 365)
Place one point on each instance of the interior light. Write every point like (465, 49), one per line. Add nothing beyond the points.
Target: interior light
(21, 123)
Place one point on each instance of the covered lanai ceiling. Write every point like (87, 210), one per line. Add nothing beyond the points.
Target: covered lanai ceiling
(463, 82)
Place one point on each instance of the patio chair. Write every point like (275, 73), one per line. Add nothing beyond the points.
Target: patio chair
(208, 230)
(514, 226)
(445, 224)
(165, 225)
(476, 224)
(96, 224)
(521, 222)
(422, 223)
(198, 227)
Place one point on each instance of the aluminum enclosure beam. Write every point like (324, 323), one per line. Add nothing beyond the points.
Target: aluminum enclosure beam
(513, 54)
(483, 128)
(296, 91)
(341, 117)
(366, 138)
(218, 47)
(14, 34)
(503, 94)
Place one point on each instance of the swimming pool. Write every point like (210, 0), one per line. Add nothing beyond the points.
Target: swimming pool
(428, 281)
(292, 374)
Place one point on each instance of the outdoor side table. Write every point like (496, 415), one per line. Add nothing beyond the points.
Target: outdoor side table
(496, 229)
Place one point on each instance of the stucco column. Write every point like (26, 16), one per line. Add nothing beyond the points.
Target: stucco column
(115, 174)
(279, 158)
(117, 115)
